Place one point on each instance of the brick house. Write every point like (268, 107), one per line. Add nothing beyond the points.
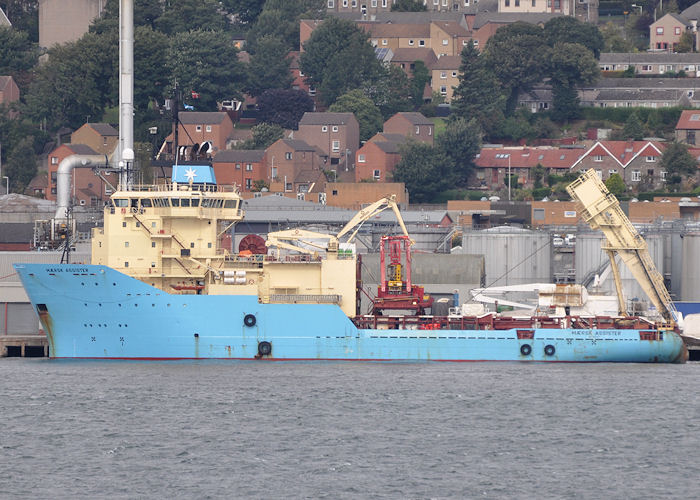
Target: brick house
(448, 38)
(688, 127)
(241, 167)
(493, 164)
(100, 137)
(445, 78)
(377, 158)
(637, 162)
(9, 91)
(412, 125)
(405, 58)
(298, 82)
(88, 189)
(665, 33)
(285, 159)
(560, 213)
(336, 135)
(355, 195)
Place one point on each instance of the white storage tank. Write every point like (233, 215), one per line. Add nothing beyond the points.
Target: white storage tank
(513, 256)
(690, 282)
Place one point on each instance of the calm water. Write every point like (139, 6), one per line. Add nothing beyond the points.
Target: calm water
(341, 430)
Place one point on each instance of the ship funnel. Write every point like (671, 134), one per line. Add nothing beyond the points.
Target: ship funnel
(63, 179)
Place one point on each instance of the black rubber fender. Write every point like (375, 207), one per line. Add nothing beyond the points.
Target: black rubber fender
(249, 320)
(264, 348)
(549, 350)
(525, 349)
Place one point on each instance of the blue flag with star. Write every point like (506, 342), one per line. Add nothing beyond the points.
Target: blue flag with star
(195, 174)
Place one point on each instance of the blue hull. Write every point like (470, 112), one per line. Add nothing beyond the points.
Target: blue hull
(96, 312)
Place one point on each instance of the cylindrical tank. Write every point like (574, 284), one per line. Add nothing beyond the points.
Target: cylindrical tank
(513, 255)
(591, 259)
(690, 283)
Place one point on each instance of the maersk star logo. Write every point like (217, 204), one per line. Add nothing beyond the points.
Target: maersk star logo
(190, 174)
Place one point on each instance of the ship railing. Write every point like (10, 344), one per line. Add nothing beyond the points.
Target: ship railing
(304, 299)
(170, 186)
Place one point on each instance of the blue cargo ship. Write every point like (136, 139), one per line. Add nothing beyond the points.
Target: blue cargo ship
(161, 286)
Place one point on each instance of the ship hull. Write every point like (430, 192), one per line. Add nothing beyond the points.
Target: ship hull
(90, 311)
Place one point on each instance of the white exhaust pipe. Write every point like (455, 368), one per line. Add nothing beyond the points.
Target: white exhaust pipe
(126, 92)
(63, 179)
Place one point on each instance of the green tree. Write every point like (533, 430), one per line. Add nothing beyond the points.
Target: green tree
(478, 94)
(518, 55)
(268, 67)
(205, 62)
(460, 142)
(264, 134)
(150, 50)
(615, 184)
(284, 107)
(568, 29)
(23, 14)
(633, 129)
(247, 11)
(565, 103)
(614, 38)
(20, 167)
(420, 76)
(426, 171)
(18, 55)
(145, 13)
(337, 58)
(538, 174)
(367, 114)
(273, 23)
(408, 6)
(391, 93)
(685, 43)
(191, 15)
(572, 64)
(678, 162)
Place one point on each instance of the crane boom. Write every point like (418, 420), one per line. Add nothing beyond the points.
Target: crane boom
(601, 210)
(370, 211)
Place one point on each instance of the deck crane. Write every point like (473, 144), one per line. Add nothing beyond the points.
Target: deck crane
(396, 291)
(601, 210)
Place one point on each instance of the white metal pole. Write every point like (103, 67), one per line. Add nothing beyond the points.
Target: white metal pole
(126, 89)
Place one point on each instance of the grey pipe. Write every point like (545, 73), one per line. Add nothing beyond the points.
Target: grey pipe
(63, 179)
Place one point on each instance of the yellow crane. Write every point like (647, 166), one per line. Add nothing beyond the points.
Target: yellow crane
(601, 210)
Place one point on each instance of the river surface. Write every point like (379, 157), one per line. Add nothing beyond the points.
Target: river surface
(347, 430)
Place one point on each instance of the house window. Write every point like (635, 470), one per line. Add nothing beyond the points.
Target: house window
(324, 129)
(238, 166)
(198, 128)
(443, 74)
(384, 42)
(410, 42)
(538, 214)
(651, 159)
(444, 42)
(288, 155)
(384, 3)
(517, 3)
(104, 141)
(288, 186)
(417, 129)
(646, 67)
(476, 44)
(466, 3)
(335, 128)
(421, 43)
(249, 167)
(331, 4)
(336, 145)
(312, 91)
(208, 128)
(690, 136)
(377, 175)
(360, 158)
(660, 30)
(599, 173)
(507, 3)
(345, 3)
(662, 174)
(533, 2)
(612, 171)
(454, 74)
(354, 3)
(54, 160)
(636, 176)
(248, 183)
(374, 3)
(598, 158)
(430, 131)
(678, 30)
(443, 90)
